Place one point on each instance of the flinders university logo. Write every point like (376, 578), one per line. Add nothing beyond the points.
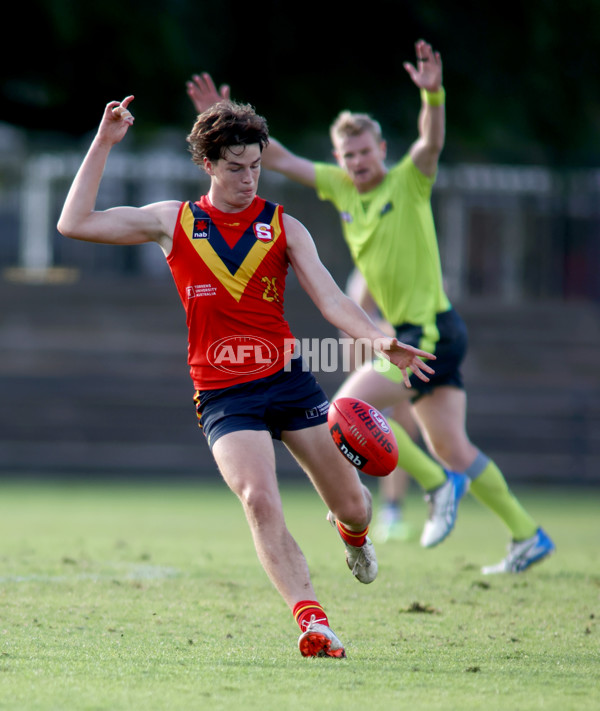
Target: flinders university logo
(242, 354)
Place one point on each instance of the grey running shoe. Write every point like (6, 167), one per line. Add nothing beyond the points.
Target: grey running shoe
(361, 560)
(443, 505)
(522, 554)
(320, 641)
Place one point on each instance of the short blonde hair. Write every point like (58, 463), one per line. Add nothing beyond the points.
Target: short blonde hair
(350, 124)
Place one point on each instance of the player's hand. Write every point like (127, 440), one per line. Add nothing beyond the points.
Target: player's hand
(202, 91)
(406, 357)
(428, 72)
(116, 121)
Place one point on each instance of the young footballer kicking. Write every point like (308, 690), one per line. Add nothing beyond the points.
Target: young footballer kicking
(388, 225)
(229, 253)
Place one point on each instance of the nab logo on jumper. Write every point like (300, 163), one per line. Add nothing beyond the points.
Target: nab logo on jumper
(200, 230)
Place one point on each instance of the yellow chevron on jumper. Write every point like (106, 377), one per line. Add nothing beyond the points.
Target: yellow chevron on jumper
(234, 283)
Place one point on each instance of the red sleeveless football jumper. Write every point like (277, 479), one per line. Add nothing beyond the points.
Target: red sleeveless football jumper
(230, 271)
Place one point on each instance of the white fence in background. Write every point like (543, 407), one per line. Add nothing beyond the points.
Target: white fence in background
(505, 232)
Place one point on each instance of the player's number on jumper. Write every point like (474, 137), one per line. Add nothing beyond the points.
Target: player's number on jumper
(270, 293)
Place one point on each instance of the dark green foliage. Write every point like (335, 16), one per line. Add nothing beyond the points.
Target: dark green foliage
(521, 77)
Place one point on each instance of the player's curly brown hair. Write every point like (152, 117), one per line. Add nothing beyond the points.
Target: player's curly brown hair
(223, 125)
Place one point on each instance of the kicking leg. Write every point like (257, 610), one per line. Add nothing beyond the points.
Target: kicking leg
(338, 484)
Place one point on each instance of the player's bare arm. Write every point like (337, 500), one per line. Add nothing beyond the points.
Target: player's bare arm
(280, 159)
(427, 75)
(119, 225)
(340, 310)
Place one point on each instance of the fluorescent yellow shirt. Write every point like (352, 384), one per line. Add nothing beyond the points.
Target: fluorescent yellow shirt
(391, 235)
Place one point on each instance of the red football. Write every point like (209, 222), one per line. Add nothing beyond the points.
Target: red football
(363, 435)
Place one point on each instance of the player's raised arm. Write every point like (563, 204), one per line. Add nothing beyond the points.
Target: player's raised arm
(203, 93)
(340, 310)
(118, 225)
(427, 76)
(280, 159)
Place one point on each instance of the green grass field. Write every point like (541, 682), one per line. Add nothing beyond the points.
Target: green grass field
(151, 597)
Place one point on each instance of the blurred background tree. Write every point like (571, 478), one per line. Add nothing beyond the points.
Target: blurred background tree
(521, 77)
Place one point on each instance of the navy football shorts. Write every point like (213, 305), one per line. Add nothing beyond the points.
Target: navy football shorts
(287, 400)
(450, 350)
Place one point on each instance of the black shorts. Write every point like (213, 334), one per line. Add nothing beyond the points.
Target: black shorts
(449, 350)
(291, 399)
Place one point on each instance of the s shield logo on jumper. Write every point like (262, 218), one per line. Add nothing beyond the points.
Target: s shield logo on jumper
(263, 231)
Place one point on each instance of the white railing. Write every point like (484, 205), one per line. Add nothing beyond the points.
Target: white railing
(512, 211)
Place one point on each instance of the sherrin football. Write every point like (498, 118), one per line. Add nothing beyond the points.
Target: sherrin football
(363, 436)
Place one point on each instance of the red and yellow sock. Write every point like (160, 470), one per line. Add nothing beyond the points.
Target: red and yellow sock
(305, 609)
(353, 538)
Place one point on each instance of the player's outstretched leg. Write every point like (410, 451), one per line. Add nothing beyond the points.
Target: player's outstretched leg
(361, 559)
(523, 554)
(443, 506)
(319, 640)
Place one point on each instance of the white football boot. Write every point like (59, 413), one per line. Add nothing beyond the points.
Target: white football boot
(443, 505)
(522, 554)
(361, 560)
